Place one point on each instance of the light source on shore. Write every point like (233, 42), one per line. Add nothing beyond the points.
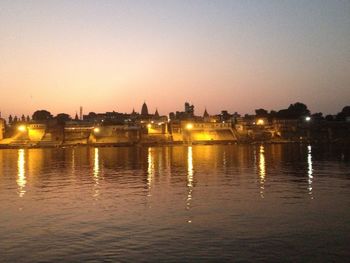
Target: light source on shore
(308, 118)
(189, 126)
(260, 122)
(22, 128)
(149, 126)
(96, 130)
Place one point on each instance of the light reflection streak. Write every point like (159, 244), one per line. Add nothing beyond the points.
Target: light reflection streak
(96, 171)
(309, 170)
(262, 170)
(73, 161)
(150, 169)
(190, 173)
(21, 177)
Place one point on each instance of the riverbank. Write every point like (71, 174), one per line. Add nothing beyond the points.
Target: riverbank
(153, 144)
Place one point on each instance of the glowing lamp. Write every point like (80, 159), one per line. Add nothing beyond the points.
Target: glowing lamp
(149, 126)
(189, 126)
(308, 118)
(260, 122)
(96, 130)
(22, 128)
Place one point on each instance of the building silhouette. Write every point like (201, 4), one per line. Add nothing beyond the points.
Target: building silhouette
(144, 110)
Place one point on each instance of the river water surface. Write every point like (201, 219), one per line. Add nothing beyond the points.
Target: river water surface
(231, 203)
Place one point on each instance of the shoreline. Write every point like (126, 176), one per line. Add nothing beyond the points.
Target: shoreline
(35, 146)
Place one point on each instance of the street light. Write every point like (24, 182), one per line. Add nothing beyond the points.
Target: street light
(96, 130)
(22, 128)
(189, 126)
(260, 122)
(308, 118)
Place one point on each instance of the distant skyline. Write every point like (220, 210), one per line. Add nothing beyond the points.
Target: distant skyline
(222, 55)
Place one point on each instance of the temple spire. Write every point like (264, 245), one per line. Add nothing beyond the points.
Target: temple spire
(205, 115)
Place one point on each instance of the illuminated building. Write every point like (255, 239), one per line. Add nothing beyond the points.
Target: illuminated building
(2, 128)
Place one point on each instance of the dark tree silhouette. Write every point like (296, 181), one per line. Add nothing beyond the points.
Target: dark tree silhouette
(63, 117)
(42, 115)
(294, 111)
(261, 113)
(344, 113)
(329, 118)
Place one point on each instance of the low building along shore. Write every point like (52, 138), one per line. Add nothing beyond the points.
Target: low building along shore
(118, 129)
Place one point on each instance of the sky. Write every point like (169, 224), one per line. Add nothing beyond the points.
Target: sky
(222, 55)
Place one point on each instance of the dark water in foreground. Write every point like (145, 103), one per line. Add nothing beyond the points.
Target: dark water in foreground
(179, 204)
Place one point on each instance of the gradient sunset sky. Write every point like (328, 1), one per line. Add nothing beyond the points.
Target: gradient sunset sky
(232, 55)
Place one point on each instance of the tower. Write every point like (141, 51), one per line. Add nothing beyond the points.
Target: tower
(144, 109)
(205, 115)
(156, 114)
(81, 113)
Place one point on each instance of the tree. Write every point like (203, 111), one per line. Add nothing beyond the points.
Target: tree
(317, 116)
(23, 118)
(329, 118)
(261, 113)
(344, 113)
(28, 118)
(42, 115)
(298, 109)
(294, 111)
(10, 119)
(63, 117)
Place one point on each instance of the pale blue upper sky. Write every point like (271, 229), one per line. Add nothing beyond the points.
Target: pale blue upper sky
(233, 55)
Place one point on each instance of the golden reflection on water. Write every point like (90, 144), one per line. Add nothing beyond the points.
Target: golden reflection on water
(189, 177)
(96, 172)
(73, 161)
(262, 170)
(21, 176)
(150, 168)
(189, 167)
(309, 170)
